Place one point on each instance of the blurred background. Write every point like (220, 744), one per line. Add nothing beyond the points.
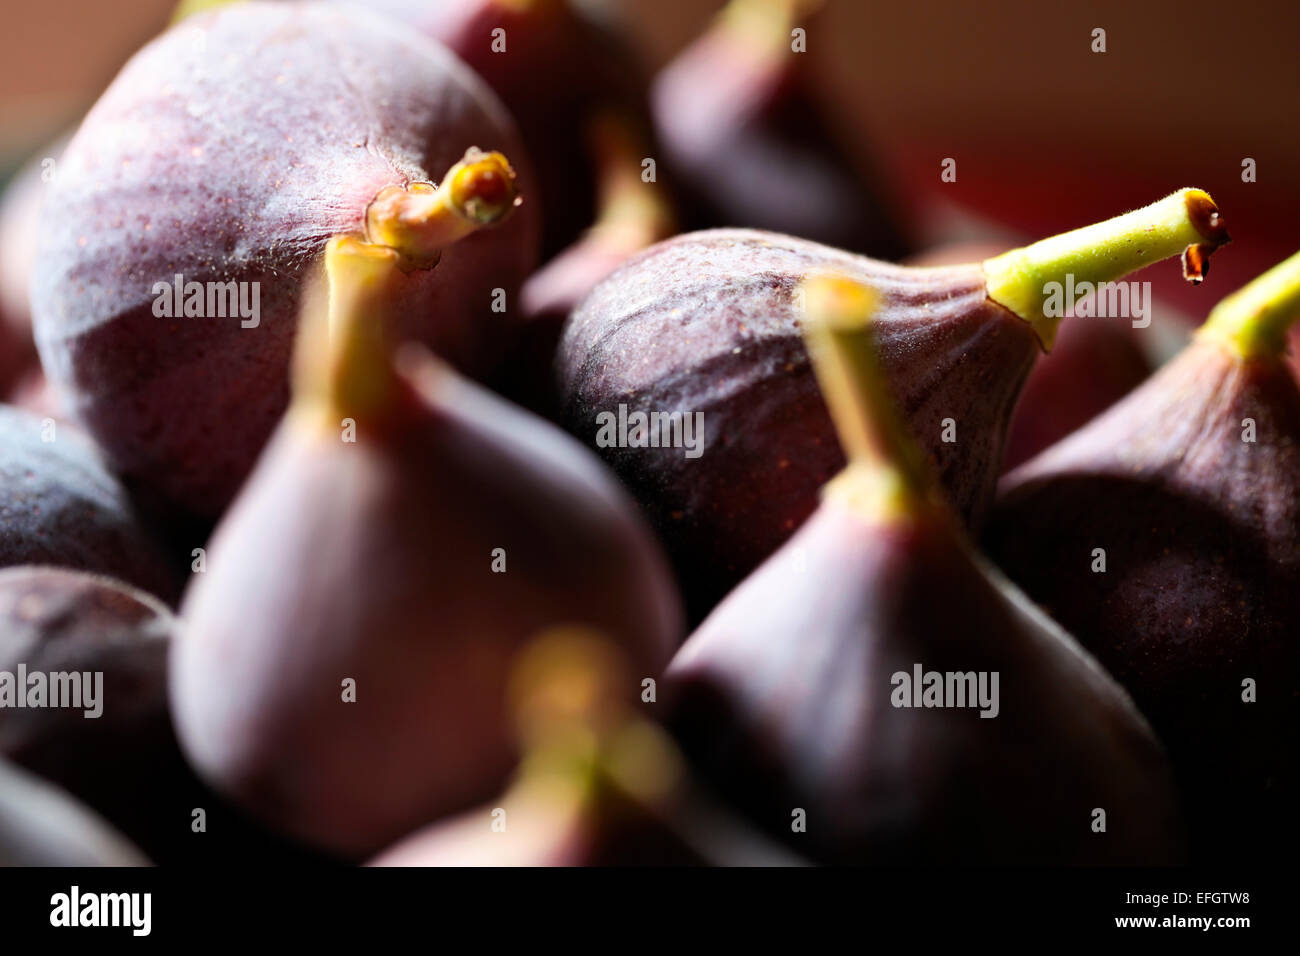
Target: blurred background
(1046, 134)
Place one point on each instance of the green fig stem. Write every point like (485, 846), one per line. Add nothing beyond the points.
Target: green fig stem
(1186, 222)
(884, 476)
(421, 219)
(764, 25)
(631, 213)
(1255, 319)
(188, 8)
(343, 362)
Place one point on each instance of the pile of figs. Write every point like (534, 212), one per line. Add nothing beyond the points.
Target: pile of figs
(432, 439)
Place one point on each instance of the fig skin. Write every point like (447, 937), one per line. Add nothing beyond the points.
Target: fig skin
(41, 825)
(60, 505)
(1202, 581)
(749, 140)
(708, 322)
(231, 148)
(562, 64)
(784, 697)
(392, 586)
(125, 763)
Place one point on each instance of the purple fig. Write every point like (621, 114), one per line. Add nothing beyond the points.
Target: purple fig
(59, 505)
(703, 330)
(423, 530)
(115, 748)
(745, 95)
(872, 682)
(208, 178)
(1166, 536)
(597, 785)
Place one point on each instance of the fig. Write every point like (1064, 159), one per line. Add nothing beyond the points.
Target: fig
(556, 65)
(208, 178)
(874, 677)
(1166, 536)
(115, 750)
(431, 527)
(41, 825)
(743, 95)
(702, 330)
(597, 785)
(60, 505)
(1094, 363)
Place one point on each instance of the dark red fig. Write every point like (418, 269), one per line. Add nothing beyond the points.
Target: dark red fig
(41, 825)
(597, 786)
(422, 530)
(555, 64)
(1094, 363)
(749, 139)
(797, 694)
(633, 214)
(59, 505)
(1166, 535)
(110, 642)
(227, 152)
(705, 326)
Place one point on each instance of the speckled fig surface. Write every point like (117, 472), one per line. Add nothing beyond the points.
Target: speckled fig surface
(1200, 536)
(60, 505)
(708, 322)
(230, 149)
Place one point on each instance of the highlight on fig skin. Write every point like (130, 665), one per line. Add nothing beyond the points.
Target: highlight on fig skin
(421, 219)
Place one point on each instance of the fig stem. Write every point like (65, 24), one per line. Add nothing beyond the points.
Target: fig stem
(631, 214)
(1187, 221)
(765, 25)
(343, 361)
(1255, 319)
(420, 219)
(884, 476)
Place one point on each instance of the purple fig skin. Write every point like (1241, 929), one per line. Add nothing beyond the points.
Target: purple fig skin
(1094, 363)
(59, 505)
(1202, 581)
(788, 168)
(125, 763)
(230, 149)
(561, 64)
(784, 697)
(707, 323)
(380, 570)
(41, 825)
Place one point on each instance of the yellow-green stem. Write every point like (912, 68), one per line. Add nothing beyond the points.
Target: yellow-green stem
(1185, 222)
(1255, 319)
(885, 476)
(631, 213)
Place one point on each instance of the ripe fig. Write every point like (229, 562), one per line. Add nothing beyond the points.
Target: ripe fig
(1166, 536)
(115, 749)
(1094, 363)
(208, 178)
(343, 676)
(554, 64)
(597, 785)
(872, 676)
(59, 505)
(744, 94)
(703, 330)
(40, 825)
